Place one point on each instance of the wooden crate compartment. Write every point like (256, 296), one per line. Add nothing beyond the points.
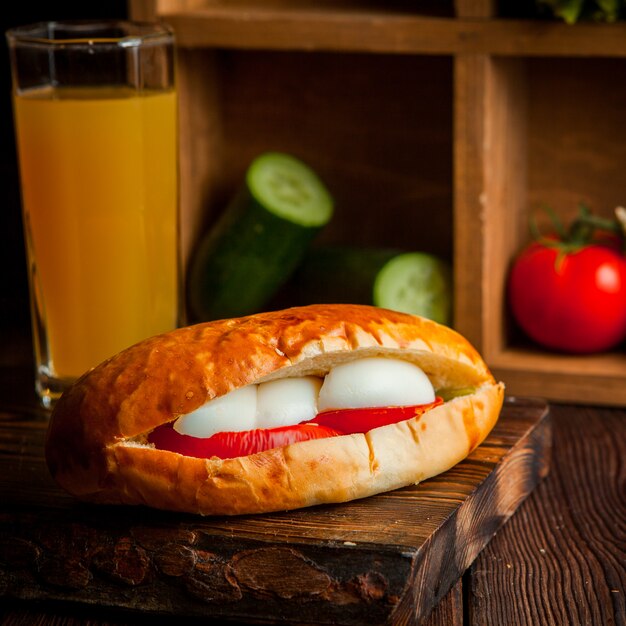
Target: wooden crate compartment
(415, 113)
(576, 152)
(391, 176)
(552, 134)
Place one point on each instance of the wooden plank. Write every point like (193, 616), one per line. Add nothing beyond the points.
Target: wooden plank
(559, 385)
(331, 29)
(470, 164)
(505, 191)
(410, 7)
(598, 368)
(387, 559)
(490, 191)
(561, 559)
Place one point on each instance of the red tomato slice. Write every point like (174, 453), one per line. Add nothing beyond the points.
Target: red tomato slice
(228, 445)
(350, 421)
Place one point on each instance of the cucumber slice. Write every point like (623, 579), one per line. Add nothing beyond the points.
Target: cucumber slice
(448, 393)
(418, 283)
(259, 240)
(289, 189)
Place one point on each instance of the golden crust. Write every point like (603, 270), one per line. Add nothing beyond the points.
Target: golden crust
(92, 448)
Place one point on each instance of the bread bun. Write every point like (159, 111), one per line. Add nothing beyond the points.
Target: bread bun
(97, 449)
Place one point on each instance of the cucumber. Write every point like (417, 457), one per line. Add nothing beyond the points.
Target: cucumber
(412, 282)
(416, 282)
(449, 393)
(259, 240)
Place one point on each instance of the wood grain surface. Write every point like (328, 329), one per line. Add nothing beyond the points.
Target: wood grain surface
(387, 559)
(562, 558)
(378, 29)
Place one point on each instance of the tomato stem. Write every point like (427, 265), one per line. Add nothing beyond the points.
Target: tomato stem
(585, 225)
(582, 230)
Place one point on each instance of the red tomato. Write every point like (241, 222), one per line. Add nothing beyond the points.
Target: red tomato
(350, 421)
(574, 301)
(228, 445)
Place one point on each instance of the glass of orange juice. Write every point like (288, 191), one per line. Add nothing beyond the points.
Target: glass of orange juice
(96, 126)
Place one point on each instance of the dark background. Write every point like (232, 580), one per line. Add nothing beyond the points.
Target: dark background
(14, 310)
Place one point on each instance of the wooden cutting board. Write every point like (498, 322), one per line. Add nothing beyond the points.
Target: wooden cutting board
(388, 559)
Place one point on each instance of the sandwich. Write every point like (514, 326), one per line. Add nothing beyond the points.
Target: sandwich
(274, 411)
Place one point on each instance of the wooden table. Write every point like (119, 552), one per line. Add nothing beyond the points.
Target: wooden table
(559, 560)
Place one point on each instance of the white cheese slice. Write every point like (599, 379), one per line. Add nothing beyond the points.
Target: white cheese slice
(235, 411)
(287, 401)
(375, 382)
(370, 382)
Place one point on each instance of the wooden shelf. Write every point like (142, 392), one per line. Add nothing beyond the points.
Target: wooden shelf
(437, 125)
(595, 379)
(381, 32)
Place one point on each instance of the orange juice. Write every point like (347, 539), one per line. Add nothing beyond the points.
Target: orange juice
(99, 193)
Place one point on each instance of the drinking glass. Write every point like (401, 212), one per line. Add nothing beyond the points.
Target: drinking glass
(95, 112)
